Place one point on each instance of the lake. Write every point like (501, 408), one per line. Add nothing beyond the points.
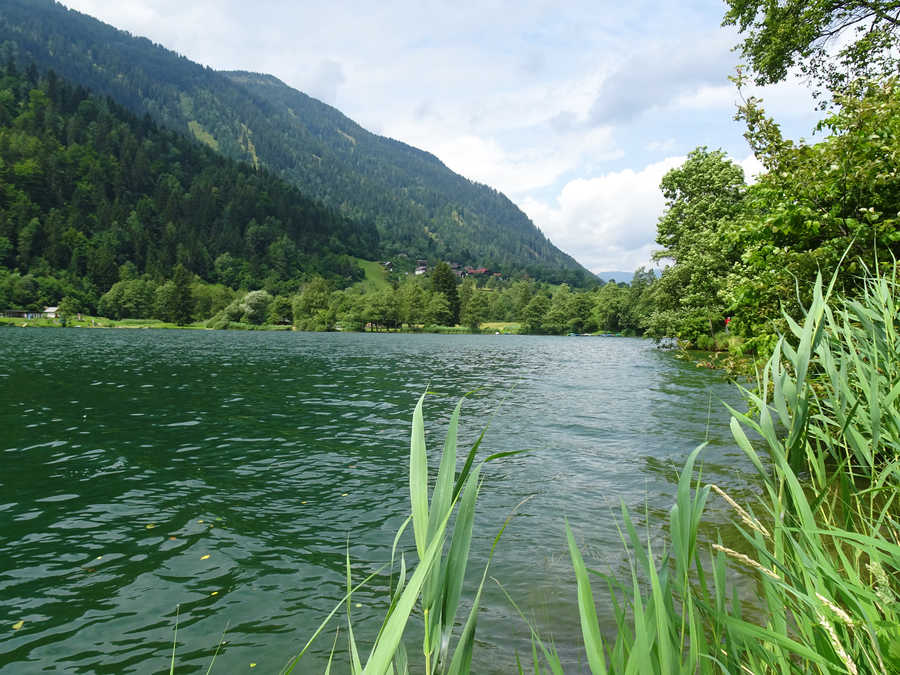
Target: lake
(228, 472)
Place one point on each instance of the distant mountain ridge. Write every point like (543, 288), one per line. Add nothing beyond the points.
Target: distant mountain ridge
(616, 275)
(419, 207)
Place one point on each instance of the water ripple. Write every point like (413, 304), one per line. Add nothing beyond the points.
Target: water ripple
(227, 473)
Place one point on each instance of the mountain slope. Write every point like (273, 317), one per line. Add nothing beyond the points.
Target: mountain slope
(87, 189)
(419, 206)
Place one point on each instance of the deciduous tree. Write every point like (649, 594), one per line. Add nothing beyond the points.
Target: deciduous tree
(476, 310)
(703, 198)
(443, 281)
(815, 203)
(535, 313)
(832, 41)
(182, 300)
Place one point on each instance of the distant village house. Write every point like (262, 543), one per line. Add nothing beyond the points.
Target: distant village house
(46, 313)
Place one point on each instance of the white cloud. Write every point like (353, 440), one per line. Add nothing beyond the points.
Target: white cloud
(752, 168)
(515, 141)
(661, 145)
(608, 222)
(329, 76)
(722, 97)
(662, 71)
(517, 172)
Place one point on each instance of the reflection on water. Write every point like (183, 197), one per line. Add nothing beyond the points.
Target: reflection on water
(226, 472)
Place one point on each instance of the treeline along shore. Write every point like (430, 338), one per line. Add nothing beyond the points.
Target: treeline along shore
(106, 214)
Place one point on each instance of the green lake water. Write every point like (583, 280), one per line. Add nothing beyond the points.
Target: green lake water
(129, 456)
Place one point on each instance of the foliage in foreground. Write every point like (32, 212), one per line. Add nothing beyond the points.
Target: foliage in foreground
(435, 585)
(823, 542)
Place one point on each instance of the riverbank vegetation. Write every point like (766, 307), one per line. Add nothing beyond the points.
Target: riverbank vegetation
(822, 542)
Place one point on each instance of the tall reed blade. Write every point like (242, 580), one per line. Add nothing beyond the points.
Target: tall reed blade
(587, 610)
(418, 479)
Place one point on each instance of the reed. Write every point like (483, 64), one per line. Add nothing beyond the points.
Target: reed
(434, 587)
(825, 548)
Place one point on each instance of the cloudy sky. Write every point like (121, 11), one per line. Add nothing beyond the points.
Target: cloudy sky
(574, 110)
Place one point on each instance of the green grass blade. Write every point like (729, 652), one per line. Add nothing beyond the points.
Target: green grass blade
(355, 664)
(418, 479)
(394, 546)
(744, 443)
(639, 658)
(458, 556)
(443, 487)
(401, 661)
(462, 655)
(218, 647)
(467, 466)
(551, 657)
(174, 640)
(432, 596)
(331, 653)
(289, 667)
(385, 647)
(587, 610)
(658, 587)
(767, 636)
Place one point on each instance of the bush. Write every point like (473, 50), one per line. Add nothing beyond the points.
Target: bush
(280, 311)
(255, 307)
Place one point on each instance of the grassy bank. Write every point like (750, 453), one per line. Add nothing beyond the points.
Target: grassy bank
(101, 322)
(503, 327)
(90, 322)
(376, 278)
(821, 542)
(489, 328)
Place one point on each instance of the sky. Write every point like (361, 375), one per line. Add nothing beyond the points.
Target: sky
(574, 110)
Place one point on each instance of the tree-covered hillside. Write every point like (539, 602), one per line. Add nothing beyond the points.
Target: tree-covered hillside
(86, 188)
(463, 220)
(419, 206)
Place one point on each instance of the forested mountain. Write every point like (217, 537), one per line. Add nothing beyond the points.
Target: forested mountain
(419, 206)
(87, 189)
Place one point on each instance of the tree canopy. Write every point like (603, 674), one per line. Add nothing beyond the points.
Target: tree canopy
(816, 204)
(444, 281)
(703, 196)
(831, 41)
